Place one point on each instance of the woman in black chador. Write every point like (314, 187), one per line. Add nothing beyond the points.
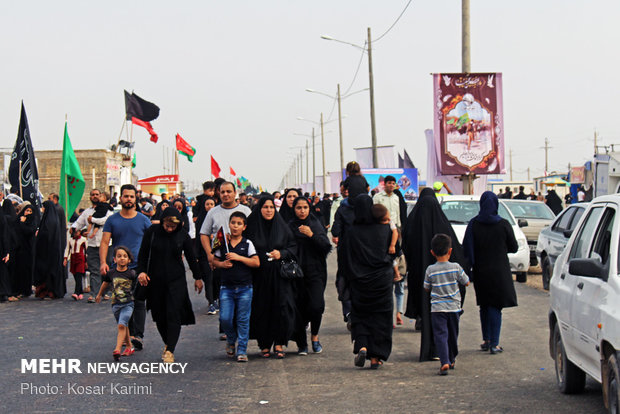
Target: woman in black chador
(179, 204)
(368, 272)
(425, 221)
(286, 209)
(313, 246)
(23, 257)
(6, 288)
(49, 274)
(554, 202)
(161, 270)
(273, 304)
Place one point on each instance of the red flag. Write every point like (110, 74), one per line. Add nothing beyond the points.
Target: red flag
(147, 126)
(184, 148)
(220, 240)
(215, 168)
(232, 172)
(238, 183)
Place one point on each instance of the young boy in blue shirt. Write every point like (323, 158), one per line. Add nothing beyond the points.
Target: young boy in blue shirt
(442, 280)
(236, 285)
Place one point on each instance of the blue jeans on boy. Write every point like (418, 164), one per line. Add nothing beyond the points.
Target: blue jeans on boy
(236, 300)
(399, 293)
(491, 322)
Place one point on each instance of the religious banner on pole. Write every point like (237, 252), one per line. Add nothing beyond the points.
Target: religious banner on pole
(23, 173)
(469, 126)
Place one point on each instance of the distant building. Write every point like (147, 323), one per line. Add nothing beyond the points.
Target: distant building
(102, 169)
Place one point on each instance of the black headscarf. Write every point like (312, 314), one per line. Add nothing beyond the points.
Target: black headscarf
(184, 216)
(287, 212)
(554, 202)
(49, 252)
(159, 209)
(313, 250)
(171, 212)
(402, 205)
(267, 235)
(203, 213)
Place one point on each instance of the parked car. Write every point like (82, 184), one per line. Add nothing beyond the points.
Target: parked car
(553, 239)
(584, 317)
(462, 208)
(538, 216)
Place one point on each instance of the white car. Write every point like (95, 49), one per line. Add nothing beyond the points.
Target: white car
(584, 318)
(462, 208)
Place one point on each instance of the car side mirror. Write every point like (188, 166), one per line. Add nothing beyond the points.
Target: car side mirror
(568, 233)
(587, 268)
(522, 223)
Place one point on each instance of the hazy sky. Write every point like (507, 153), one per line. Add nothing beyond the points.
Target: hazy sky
(230, 76)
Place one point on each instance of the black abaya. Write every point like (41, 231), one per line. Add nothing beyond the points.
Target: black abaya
(6, 288)
(368, 274)
(274, 311)
(167, 296)
(312, 254)
(425, 221)
(49, 277)
(23, 256)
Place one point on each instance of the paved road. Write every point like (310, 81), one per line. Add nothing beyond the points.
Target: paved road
(521, 380)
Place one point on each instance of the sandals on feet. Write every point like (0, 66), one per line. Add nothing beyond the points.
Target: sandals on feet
(230, 350)
(360, 358)
(116, 355)
(265, 353)
(444, 369)
(128, 352)
(279, 354)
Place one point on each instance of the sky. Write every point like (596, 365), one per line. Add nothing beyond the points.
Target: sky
(230, 76)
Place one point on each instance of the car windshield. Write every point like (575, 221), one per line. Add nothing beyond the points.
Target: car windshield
(529, 210)
(462, 211)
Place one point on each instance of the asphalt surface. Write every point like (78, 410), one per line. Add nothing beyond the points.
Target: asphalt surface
(521, 380)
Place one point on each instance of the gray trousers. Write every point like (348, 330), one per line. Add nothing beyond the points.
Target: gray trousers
(92, 259)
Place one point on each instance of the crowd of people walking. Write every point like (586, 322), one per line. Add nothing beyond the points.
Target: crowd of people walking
(262, 263)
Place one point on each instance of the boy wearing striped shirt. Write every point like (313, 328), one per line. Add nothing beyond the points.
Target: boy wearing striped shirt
(442, 280)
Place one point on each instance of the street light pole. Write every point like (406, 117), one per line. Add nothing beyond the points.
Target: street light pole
(371, 84)
(323, 150)
(307, 163)
(313, 163)
(340, 131)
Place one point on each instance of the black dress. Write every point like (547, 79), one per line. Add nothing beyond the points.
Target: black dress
(274, 311)
(368, 274)
(23, 253)
(49, 274)
(166, 295)
(6, 288)
(312, 255)
(491, 270)
(425, 221)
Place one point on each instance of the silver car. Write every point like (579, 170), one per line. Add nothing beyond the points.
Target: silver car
(538, 216)
(552, 240)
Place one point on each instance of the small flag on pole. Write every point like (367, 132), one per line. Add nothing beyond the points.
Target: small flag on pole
(219, 240)
(133, 161)
(232, 172)
(185, 149)
(71, 180)
(215, 168)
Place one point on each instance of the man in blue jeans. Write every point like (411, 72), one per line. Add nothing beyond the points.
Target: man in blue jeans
(126, 228)
(235, 258)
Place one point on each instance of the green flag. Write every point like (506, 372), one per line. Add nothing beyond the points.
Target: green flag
(133, 161)
(71, 180)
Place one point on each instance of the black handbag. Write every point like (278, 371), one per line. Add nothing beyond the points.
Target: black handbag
(290, 269)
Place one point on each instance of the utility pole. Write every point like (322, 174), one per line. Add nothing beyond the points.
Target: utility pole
(595, 143)
(323, 150)
(467, 179)
(528, 173)
(373, 129)
(313, 164)
(546, 148)
(307, 163)
(340, 131)
(510, 154)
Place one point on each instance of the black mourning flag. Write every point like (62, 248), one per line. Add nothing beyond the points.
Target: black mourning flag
(401, 161)
(27, 170)
(136, 107)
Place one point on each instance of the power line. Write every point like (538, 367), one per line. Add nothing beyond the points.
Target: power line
(393, 24)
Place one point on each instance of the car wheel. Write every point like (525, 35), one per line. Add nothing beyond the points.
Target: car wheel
(546, 272)
(611, 384)
(521, 277)
(569, 377)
